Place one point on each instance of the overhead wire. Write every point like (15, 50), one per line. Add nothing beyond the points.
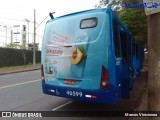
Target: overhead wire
(24, 21)
(17, 28)
(10, 38)
(12, 27)
(10, 19)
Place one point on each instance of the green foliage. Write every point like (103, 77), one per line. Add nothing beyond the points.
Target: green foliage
(115, 5)
(135, 20)
(15, 57)
(15, 45)
(11, 45)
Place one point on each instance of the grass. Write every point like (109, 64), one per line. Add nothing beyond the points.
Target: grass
(22, 66)
(18, 68)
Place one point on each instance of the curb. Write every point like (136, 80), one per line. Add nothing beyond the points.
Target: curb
(19, 71)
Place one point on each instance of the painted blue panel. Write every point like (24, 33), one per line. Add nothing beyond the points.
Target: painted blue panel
(75, 54)
(106, 96)
(88, 72)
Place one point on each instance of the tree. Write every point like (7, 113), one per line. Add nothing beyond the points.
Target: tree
(136, 21)
(22, 51)
(12, 45)
(134, 18)
(15, 45)
(115, 5)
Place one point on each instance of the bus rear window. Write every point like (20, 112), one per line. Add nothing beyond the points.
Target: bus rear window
(88, 23)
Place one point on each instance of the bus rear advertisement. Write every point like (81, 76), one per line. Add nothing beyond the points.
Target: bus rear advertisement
(86, 56)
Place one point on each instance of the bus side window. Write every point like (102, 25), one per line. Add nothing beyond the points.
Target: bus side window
(129, 48)
(116, 38)
(134, 47)
(136, 51)
(124, 46)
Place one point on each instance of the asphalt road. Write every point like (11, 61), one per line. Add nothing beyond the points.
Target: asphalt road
(23, 92)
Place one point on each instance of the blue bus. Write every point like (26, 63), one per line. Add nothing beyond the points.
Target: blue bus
(88, 56)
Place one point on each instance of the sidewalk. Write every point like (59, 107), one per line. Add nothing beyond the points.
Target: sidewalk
(142, 104)
(16, 69)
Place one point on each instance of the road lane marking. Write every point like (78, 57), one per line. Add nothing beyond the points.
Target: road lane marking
(13, 85)
(61, 106)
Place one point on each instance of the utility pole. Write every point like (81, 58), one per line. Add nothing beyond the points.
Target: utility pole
(28, 28)
(34, 49)
(154, 62)
(11, 36)
(6, 36)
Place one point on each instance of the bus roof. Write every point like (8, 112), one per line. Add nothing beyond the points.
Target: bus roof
(77, 13)
(106, 10)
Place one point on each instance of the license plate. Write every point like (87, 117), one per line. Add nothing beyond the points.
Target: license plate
(70, 82)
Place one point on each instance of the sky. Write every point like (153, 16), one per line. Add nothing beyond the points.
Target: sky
(14, 12)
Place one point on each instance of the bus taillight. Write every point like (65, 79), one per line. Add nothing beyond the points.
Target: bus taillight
(104, 78)
(42, 74)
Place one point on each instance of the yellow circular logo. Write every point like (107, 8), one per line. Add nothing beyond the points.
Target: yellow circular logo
(76, 56)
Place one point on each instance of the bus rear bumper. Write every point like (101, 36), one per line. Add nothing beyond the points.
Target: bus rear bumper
(105, 96)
